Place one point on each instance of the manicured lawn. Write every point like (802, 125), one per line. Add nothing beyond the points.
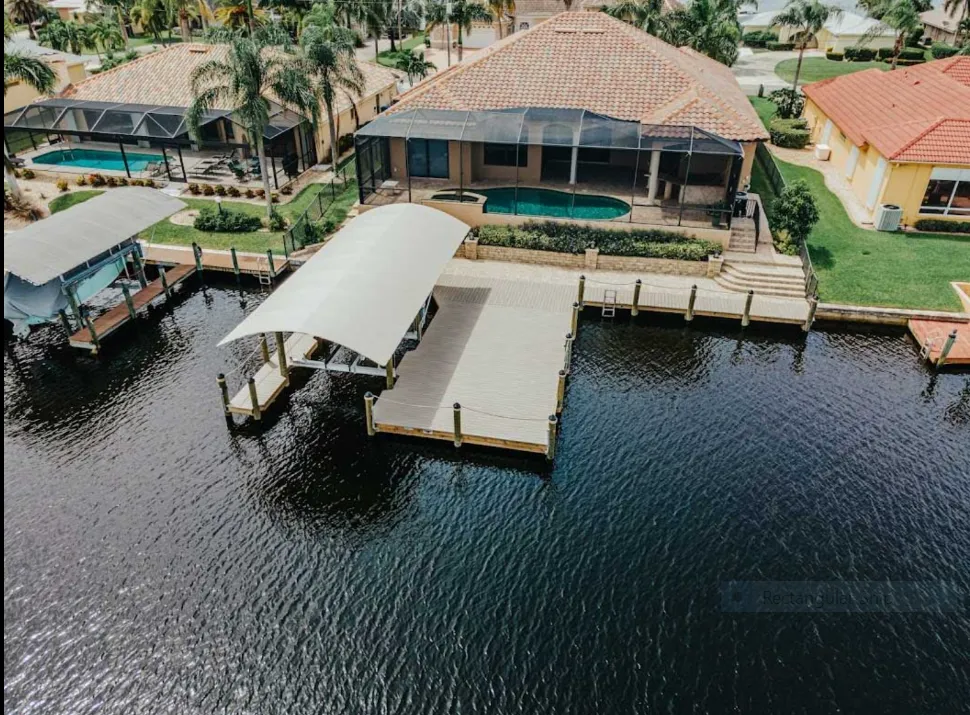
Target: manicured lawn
(66, 201)
(765, 108)
(816, 68)
(860, 267)
(388, 58)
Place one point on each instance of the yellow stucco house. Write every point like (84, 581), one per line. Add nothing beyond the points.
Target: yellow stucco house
(900, 137)
(847, 30)
(68, 68)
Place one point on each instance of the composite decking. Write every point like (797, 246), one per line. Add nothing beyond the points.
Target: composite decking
(214, 259)
(269, 380)
(495, 347)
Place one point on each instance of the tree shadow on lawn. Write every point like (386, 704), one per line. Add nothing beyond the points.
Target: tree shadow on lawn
(822, 257)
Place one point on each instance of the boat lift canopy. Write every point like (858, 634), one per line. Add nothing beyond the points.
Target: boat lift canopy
(363, 289)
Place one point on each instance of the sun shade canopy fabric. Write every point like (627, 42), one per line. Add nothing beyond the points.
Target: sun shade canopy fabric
(364, 288)
(72, 238)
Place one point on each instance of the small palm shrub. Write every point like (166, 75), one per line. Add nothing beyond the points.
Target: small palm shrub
(226, 221)
(63, 186)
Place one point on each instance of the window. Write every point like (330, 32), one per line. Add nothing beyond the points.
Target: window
(523, 26)
(428, 158)
(592, 155)
(504, 155)
(947, 193)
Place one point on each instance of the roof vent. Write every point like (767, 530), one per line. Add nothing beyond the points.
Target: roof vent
(199, 49)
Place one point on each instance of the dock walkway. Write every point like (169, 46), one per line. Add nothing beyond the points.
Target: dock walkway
(932, 337)
(496, 347)
(254, 264)
(108, 322)
(269, 381)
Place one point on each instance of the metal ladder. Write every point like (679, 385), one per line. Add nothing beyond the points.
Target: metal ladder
(609, 303)
(262, 271)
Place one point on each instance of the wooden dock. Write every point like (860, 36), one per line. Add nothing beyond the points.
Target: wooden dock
(252, 264)
(270, 380)
(91, 336)
(932, 337)
(496, 348)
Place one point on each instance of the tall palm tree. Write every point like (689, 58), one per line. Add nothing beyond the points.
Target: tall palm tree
(499, 9)
(377, 18)
(240, 13)
(118, 9)
(103, 33)
(710, 27)
(151, 15)
(332, 60)
(648, 15)
(899, 16)
(463, 14)
(959, 10)
(34, 72)
(414, 65)
(247, 81)
(808, 17)
(25, 12)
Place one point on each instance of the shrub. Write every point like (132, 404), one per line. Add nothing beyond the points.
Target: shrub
(207, 190)
(111, 181)
(260, 194)
(220, 190)
(250, 194)
(907, 63)
(941, 51)
(780, 46)
(790, 102)
(759, 38)
(137, 182)
(232, 191)
(194, 189)
(17, 173)
(860, 54)
(150, 183)
(795, 213)
(28, 174)
(345, 143)
(123, 181)
(789, 133)
(276, 221)
(286, 190)
(884, 52)
(936, 224)
(21, 207)
(96, 180)
(912, 53)
(81, 180)
(835, 56)
(63, 186)
(226, 221)
(273, 197)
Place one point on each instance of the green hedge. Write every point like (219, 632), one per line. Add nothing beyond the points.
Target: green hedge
(860, 54)
(939, 225)
(575, 239)
(901, 62)
(759, 38)
(780, 46)
(912, 53)
(226, 221)
(835, 56)
(789, 133)
(884, 52)
(941, 50)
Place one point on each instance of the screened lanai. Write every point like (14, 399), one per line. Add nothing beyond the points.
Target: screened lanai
(133, 128)
(650, 173)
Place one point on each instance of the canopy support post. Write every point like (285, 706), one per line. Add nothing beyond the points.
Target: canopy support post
(683, 189)
(75, 308)
(407, 165)
(124, 157)
(389, 369)
(281, 351)
(185, 177)
(633, 191)
(139, 268)
(168, 169)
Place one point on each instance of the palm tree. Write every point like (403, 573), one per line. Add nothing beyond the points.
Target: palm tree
(710, 27)
(648, 15)
(808, 17)
(34, 72)
(463, 14)
(414, 65)
(104, 32)
(151, 15)
(377, 18)
(25, 12)
(332, 60)
(499, 8)
(247, 81)
(900, 16)
(239, 13)
(959, 10)
(118, 8)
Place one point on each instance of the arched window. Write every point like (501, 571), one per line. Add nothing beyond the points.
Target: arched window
(523, 26)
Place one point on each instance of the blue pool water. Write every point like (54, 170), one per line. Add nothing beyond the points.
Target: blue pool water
(97, 159)
(547, 202)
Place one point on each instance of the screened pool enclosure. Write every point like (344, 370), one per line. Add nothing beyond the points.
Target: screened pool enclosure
(663, 174)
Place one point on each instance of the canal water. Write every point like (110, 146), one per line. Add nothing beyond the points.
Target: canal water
(156, 561)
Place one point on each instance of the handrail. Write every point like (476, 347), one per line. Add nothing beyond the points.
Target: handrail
(811, 277)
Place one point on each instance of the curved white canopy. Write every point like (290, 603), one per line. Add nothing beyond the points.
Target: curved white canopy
(364, 288)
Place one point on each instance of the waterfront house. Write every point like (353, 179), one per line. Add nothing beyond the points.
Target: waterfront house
(846, 30)
(528, 13)
(140, 105)
(581, 116)
(942, 25)
(68, 68)
(900, 137)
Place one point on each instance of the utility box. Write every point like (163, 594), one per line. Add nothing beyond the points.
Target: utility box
(888, 217)
(823, 152)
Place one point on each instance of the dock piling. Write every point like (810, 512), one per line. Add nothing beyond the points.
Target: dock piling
(574, 325)
(369, 413)
(560, 391)
(812, 307)
(568, 361)
(457, 413)
(264, 347)
(635, 310)
(224, 389)
(689, 315)
(551, 446)
(75, 308)
(746, 316)
(281, 351)
(197, 252)
(581, 293)
(947, 346)
(389, 371)
(254, 399)
(65, 322)
(235, 262)
(94, 334)
(165, 286)
(139, 268)
(272, 268)
(128, 300)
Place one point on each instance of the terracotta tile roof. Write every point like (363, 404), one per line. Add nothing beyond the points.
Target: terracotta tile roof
(163, 78)
(588, 60)
(916, 114)
(554, 7)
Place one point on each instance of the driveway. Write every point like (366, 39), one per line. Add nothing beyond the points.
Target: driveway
(754, 69)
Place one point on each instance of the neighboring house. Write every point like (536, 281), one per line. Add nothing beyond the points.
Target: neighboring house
(68, 10)
(68, 68)
(143, 102)
(900, 137)
(849, 30)
(942, 26)
(633, 122)
(528, 13)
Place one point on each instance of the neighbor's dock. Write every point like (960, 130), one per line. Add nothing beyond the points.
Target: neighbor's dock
(272, 377)
(262, 265)
(942, 342)
(94, 331)
(490, 369)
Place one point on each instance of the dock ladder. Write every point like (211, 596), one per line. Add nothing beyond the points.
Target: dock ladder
(262, 271)
(609, 303)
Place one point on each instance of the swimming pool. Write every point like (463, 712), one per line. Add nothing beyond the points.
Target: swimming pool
(548, 202)
(97, 159)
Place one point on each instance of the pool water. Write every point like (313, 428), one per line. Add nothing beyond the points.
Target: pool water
(547, 202)
(97, 159)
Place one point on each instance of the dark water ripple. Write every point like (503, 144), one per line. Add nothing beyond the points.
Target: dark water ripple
(155, 561)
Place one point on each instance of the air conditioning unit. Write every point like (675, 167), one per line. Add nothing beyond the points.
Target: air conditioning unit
(888, 217)
(823, 152)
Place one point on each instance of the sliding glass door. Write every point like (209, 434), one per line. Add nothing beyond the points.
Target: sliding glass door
(428, 158)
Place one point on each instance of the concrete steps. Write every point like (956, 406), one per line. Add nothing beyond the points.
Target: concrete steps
(762, 278)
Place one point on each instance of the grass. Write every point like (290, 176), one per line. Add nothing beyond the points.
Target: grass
(765, 108)
(817, 68)
(860, 267)
(388, 58)
(66, 201)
